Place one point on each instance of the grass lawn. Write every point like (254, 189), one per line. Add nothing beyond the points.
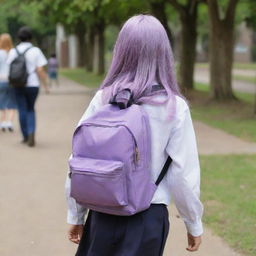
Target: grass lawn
(83, 77)
(246, 66)
(248, 79)
(246, 97)
(233, 117)
(229, 197)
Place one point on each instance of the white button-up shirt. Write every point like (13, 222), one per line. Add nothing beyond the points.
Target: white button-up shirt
(4, 67)
(169, 136)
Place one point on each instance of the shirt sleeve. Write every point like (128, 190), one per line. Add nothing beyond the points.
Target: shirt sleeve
(11, 56)
(4, 67)
(40, 60)
(184, 174)
(76, 212)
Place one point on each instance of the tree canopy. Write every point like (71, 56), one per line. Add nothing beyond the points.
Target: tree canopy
(89, 19)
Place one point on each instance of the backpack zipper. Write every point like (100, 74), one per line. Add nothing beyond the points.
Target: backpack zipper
(113, 174)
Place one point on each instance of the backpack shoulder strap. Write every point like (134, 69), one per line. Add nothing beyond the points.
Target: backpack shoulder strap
(164, 170)
(27, 50)
(18, 53)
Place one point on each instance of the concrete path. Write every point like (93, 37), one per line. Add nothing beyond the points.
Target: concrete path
(202, 76)
(214, 141)
(33, 209)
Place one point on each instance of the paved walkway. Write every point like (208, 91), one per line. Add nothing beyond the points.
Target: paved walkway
(33, 209)
(214, 141)
(202, 76)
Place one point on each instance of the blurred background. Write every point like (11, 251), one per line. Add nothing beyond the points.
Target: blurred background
(214, 45)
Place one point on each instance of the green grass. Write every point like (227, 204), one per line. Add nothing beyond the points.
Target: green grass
(236, 118)
(228, 119)
(229, 197)
(247, 97)
(249, 79)
(202, 65)
(82, 77)
(245, 66)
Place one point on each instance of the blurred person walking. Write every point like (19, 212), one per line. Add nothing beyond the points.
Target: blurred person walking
(53, 70)
(7, 97)
(26, 95)
(142, 64)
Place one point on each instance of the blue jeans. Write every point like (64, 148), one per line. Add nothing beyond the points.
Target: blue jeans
(26, 98)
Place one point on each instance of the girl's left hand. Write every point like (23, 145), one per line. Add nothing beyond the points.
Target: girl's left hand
(193, 242)
(75, 233)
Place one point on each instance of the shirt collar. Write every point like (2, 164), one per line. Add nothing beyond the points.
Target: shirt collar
(25, 43)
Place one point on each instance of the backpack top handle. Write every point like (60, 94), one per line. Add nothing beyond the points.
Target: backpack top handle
(123, 99)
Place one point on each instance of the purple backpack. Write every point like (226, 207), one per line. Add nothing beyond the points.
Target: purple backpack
(109, 169)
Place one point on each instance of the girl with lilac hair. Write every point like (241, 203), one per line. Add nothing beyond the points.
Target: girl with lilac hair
(143, 62)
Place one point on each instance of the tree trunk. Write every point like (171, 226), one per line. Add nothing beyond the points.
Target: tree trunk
(188, 50)
(101, 48)
(188, 12)
(221, 60)
(221, 50)
(81, 48)
(158, 9)
(90, 49)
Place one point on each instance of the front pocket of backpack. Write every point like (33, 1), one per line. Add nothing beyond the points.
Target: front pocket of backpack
(98, 182)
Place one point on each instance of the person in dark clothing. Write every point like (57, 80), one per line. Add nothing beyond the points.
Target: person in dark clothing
(26, 96)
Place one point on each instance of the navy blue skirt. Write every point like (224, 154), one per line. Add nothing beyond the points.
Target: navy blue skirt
(143, 234)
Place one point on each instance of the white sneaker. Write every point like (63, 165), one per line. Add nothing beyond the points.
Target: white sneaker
(9, 126)
(3, 126)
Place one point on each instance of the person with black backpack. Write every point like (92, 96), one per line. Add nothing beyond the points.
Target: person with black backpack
(26, 70)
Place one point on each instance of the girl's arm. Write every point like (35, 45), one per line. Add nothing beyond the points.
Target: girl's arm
(184, 174)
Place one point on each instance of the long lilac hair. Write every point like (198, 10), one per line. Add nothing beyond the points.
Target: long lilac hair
(142, 58)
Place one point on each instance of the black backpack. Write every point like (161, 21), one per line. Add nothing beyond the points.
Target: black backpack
(18, 74)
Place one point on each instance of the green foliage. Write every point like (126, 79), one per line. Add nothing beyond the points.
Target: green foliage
(111, 36)
(89, 12)
(247, 12)
(14, 14)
